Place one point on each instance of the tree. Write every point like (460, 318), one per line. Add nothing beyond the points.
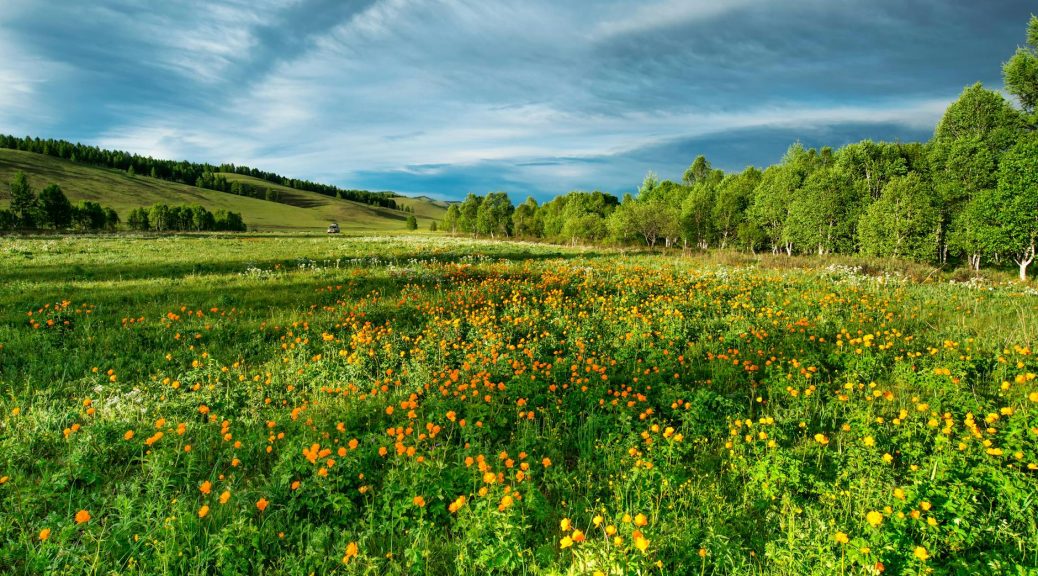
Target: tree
(24, 203)
(89, 216)
(55, 208)
(138, 219)
(1018, 201)
(494, 216)
(902, 222)
(525, 220)
(452, 218)
(412, 223)
(111, 219)
(469, 213)
(432, 226)
(823, 215)
(734, 195)
(697, 171)
(1020, 73)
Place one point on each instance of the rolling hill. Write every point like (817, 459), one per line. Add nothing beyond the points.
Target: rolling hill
(298, 210)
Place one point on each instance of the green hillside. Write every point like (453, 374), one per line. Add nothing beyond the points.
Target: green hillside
(298, 210)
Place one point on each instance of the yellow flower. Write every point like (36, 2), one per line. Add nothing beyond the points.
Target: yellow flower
(874, 518)
(921, 553)
(888, 458)
(640, 542)
(565, 525)
(821, 439)
(869, 441)
(640, 520)
(566, 542)
(841, 538)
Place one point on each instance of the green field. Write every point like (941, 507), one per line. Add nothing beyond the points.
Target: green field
(370, 405)
(301, 211)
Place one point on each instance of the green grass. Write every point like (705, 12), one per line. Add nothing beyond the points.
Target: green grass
(307, 211)
(725, 417)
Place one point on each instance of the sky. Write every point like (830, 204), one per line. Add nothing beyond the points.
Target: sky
(533, 97)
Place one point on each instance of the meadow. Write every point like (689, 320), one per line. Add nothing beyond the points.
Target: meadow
(285, 404)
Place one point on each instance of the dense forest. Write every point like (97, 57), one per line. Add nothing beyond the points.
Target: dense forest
(201, 175)
(969, 195)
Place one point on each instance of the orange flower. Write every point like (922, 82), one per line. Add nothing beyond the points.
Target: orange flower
(225, 496)
(82, 517)
(206, 487)
(419, 501)
(262, 504)
(640, 520)
(546, 462)
(351, 552)
(128, 435)
(295, 485)
(203, 511)
(44, 534)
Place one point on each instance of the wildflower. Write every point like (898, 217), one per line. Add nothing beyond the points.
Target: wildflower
(640, 520)
(841, 538)
(225, 496)
(566, 542)
(44, 534)
(874, 518)
(869, 441)
(565, 525)
(578, 536)
(821, 439)
(921, 553)
(887, 458)
(203, 511)
(546, 462)
(206, 487)
(351, 552)
(82, 517)
(640, 542)
(418, 501)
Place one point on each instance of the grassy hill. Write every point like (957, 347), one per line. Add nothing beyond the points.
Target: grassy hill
(298, 210)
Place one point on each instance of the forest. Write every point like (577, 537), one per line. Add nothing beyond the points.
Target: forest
(206, 176)
(968, 196)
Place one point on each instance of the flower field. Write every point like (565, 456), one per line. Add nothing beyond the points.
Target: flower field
(415, 405)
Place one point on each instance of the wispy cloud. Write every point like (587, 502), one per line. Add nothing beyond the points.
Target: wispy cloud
(442, 96)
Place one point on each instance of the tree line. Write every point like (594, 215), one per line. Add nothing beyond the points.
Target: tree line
(164, 218)
(202, 175)
(51, 209)
(969, 195)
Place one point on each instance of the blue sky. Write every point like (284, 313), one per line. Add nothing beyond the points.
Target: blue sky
(446, 97)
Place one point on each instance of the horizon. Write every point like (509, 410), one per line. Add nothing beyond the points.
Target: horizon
(446, 98)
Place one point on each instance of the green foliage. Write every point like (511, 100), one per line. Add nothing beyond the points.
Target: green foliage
(55, 208)
(903, 222)
(24, 203)
(1021, 71)
(494, 216)
(1018, 201)
(411, 223)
